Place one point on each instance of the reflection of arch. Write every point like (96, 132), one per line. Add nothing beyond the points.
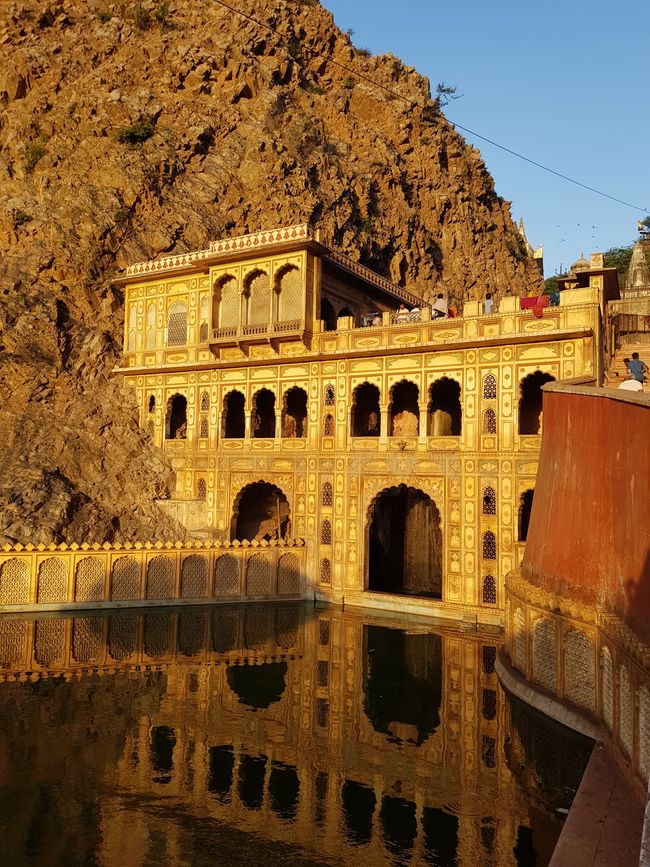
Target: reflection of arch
(234, 421)
(366, 416)
(162, 741)
(444, 411)
(525, 508)
(404, 543)
(177, 324)
(489, 422)
(402, 682)
(87, 635)
(122, 635)
(263, 414)
(258, 686)
(530, 402)
(176, 418)
(328, 314)
(257, 292)
(49, 641)
(489, 501)
(13, 643)
(260, 511)
(225, 632)
(294, 413)
(358, 805)
(404, 410)
(284, 787)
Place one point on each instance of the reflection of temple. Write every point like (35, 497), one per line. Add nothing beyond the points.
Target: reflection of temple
(293, 397)
(312, 729)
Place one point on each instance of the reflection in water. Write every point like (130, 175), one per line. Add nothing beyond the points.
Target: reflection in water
(271, 734)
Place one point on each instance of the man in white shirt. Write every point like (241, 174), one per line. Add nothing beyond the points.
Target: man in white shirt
(440, 307)
(488, 304)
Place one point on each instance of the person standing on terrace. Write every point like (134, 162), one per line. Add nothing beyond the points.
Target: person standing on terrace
(488, 304)
(440, 308)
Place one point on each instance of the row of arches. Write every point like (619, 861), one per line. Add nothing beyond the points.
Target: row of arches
(257, 301)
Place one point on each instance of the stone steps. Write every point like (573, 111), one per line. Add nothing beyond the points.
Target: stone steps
(616, 372)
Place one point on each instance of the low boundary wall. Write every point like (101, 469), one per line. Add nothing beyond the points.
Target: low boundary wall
(54, 578)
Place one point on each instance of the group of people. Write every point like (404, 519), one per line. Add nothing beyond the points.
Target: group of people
(637, 372)
(440, 309)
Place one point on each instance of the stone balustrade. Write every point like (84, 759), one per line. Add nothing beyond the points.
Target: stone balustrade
(60, 577)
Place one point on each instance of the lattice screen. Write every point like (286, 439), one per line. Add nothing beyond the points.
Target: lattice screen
(644, 732)
(257, 627)
(325, 571)
(194, 576)
(87, 639)
(14, 581)
(289, 574)
(160, 578)
(125, 583)
(205, 401)
(489, 501)
(122, 635)
(489, 422)
(579, 670)
(177, 324)
(290, 295)
(519, 646)
(326, 533)
(226, 576)
(489, 547)
(625, 709)
(201, 489)
(258, 576)
(259, 304)
(286, 627)
(52, 580)
(608, 687)
(203, 428)
(327, 494)
(490, 387)
(489, 593)
(544, 654)
(329, 395)
(328, 426)
(49, 642)
(225, 631)
(89, 580)
(157, 633)
(191, 632)
(229, 305)
(13, 643)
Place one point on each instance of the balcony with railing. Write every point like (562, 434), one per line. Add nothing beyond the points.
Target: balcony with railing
(263, 332)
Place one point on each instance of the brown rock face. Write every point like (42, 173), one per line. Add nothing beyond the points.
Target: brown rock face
(129, 130)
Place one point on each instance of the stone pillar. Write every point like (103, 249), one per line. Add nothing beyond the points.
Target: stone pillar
(248, 425)
(278, 428)
(383, 434)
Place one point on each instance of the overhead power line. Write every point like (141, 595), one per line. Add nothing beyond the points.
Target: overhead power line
(416, 103)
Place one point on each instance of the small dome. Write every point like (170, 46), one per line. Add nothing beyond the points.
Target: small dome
(580, 264)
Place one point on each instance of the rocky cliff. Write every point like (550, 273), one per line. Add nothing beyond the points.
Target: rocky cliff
(133, 129)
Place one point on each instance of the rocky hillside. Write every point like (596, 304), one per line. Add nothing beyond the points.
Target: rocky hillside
(132, 129)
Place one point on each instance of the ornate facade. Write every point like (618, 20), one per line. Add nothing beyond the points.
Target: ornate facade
(296, 396)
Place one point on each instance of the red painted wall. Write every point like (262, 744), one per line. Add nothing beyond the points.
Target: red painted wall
(589, 534)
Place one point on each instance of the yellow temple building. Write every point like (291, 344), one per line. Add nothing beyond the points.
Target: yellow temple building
(299, 395)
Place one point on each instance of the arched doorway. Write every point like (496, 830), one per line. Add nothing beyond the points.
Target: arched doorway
(366, 417)
(530, 402)
(404, 410)
(404, 543)
(261, 511)
(234, 422)
(328, 314)
(294, 413)
(176, 418)
(445, 414)
(263, 417)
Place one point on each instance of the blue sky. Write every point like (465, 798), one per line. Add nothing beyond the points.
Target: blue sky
(567, 84)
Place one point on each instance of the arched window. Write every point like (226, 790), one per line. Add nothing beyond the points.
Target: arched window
(205, 401)
(258, 299)
(294, 413)
(325, 571)
(133, 325)
(327, 494)
(263, 415)
(151, 327)
(489, 546)
(203, 428)
(326, 533)
(203, 319)
(490, 387)
(489, 593)
(290, 294)
(328, 314)
(226, 303)
(234, 422)
(329, 394)
(177, 324)
(489, 422)
(444, 411)
(525, 508)
(366, 417)
(328, 426)
(489, 501)
(176, 418)
(152, 402)
(404, 410)
(530, 402)
(201, 489)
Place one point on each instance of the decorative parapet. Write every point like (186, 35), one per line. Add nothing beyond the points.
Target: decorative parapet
(53, 577)
(587, 658)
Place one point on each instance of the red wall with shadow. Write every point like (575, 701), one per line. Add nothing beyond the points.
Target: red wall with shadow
(589, 534)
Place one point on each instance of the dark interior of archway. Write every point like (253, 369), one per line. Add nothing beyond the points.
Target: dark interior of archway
(295, 414)
(263, 513)
(530, 404)
(404, 410)
(234, 422)
(366, 418)
(405, 544)
(257, 686)
(399, 825)
(178, 418)
(264, 414)
(445, 414)
(328, 314)
(524, 513)
(402, 682)
(250, 786)
(221, 764)
(284, 788)
(441, 837)
(358, 803)
(161, 747)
